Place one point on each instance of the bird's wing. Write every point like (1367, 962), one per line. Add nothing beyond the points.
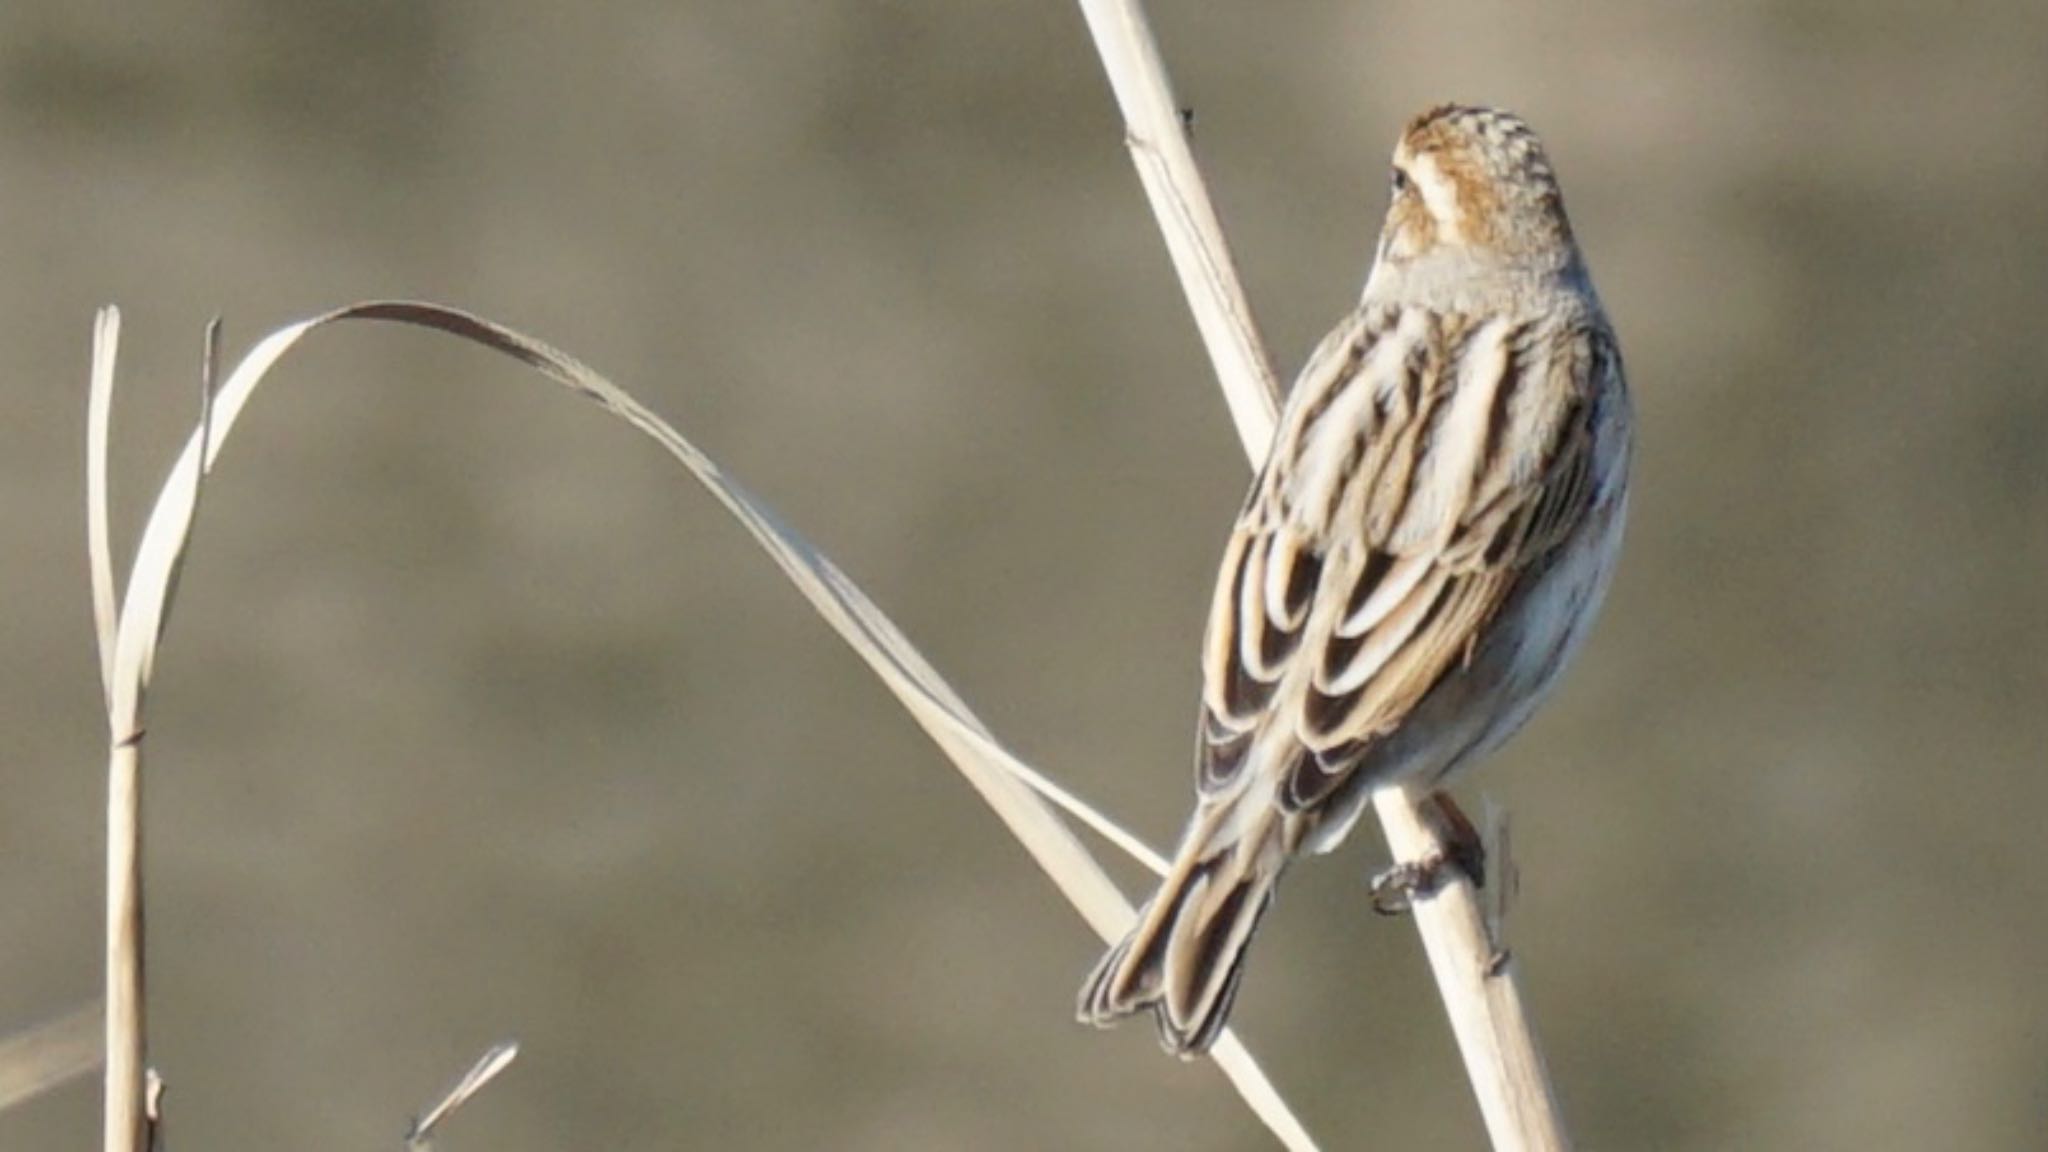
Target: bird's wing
(1425, 464)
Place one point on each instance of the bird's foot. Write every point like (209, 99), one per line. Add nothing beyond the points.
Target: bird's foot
(1395, 891)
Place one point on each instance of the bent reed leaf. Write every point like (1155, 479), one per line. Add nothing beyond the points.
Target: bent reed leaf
(1022, 798)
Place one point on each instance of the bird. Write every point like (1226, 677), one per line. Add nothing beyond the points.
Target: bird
(1422, 552)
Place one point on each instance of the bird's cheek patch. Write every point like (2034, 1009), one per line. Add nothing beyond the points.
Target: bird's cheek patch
(1440, 196)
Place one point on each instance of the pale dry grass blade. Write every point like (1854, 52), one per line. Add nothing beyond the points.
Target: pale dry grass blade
(497, 1058)
(106, 341)
(128, 640)
(35, 1060)
(209, 367)
(153, 576)
(1005, 782)
(124, 1128)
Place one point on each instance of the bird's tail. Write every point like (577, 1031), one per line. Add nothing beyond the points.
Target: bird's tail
(1186, 955)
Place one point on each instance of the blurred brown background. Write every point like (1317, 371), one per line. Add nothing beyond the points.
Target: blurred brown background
(478, 720)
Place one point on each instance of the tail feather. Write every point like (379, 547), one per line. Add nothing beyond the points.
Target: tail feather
(1185, 957)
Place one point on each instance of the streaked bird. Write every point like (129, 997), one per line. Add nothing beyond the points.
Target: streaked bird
(1420, 556)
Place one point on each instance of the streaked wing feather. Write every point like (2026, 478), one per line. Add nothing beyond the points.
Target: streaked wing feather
(1447, 537)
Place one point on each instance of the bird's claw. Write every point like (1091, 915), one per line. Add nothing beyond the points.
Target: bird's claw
(1395, 891)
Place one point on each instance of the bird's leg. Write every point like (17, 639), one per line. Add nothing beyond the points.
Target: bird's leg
(1466, 847)
(1395, 890)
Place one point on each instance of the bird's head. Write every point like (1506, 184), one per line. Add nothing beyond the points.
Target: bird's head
(1471, 191)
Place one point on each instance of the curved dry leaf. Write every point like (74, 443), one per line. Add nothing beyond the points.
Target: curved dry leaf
(1012, 788)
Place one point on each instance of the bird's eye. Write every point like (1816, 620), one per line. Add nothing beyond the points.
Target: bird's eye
(1399, 182)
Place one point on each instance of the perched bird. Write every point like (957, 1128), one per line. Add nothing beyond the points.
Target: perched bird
(1420, 556)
